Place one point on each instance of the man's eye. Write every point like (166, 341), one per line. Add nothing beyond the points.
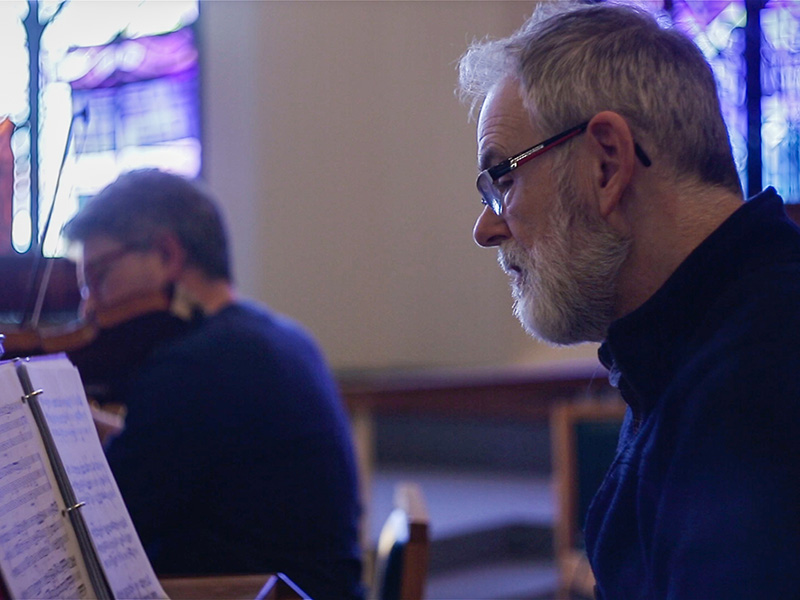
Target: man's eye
(503, 184)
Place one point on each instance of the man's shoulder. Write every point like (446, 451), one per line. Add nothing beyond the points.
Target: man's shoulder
(243, 322)
(746, 352)
(244, 333)
(765, 298)
(244, 349)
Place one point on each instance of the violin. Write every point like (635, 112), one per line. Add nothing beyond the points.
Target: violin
(109, 344)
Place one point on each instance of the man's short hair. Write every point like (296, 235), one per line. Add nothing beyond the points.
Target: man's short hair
(574, 61)
(142, 205)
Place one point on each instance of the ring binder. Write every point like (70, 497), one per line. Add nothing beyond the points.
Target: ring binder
(55, 546)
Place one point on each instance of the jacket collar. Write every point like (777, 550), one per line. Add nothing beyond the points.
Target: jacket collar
(644, 349)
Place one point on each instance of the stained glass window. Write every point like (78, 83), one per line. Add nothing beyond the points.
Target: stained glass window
(718, 27)
(117, 80)
(780, 132)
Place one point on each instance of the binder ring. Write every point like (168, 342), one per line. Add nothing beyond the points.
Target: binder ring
(69, 509)
(32, 394)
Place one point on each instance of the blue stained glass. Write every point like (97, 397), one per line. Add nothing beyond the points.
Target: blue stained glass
(780, 26)
(717, 27)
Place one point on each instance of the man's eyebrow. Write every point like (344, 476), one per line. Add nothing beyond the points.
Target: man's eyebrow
(489, 158)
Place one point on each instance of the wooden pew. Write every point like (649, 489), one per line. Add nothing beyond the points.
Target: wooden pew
(518, 393)
(233, 587)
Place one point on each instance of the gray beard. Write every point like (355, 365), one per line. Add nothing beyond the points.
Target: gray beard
(566, 293)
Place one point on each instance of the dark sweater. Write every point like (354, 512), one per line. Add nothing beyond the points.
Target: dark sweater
(237, 456)
(703, 499)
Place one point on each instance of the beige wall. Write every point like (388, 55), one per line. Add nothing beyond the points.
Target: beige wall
(346, 167)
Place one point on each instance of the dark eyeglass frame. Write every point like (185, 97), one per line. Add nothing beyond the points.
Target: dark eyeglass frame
(487, 179)
(96, 271)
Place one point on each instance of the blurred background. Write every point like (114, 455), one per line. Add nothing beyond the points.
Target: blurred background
(345, 165)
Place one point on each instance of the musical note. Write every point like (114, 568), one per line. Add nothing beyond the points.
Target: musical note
(70, 422)
(39, 555)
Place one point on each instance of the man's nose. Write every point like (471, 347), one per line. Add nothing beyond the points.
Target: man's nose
(490, 230)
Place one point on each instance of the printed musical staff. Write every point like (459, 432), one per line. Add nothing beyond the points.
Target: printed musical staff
(39, 556)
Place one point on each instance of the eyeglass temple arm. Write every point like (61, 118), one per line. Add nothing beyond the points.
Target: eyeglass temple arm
(640, 154)
(512, 163)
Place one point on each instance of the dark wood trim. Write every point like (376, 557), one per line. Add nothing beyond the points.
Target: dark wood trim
(508, 392)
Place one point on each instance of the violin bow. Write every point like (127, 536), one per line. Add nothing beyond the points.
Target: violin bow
(34, 299)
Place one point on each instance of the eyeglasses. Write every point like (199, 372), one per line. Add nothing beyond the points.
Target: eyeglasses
(492, 196)
(95, 271)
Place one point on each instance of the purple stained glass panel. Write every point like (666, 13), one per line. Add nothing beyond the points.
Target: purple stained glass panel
(780, 133)
(132, 60)
(716, 26)
(138, 92)
(141, 96)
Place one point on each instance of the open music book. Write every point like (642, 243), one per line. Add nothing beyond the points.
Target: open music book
(64, 528)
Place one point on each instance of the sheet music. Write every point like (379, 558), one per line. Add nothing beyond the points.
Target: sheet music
(69, 419)
(39, 553)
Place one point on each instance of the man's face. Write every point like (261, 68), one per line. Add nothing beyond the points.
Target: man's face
(563, 259)
(111, 272)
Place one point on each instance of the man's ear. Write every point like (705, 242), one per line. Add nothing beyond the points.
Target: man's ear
(612, 159)
(172, 254)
